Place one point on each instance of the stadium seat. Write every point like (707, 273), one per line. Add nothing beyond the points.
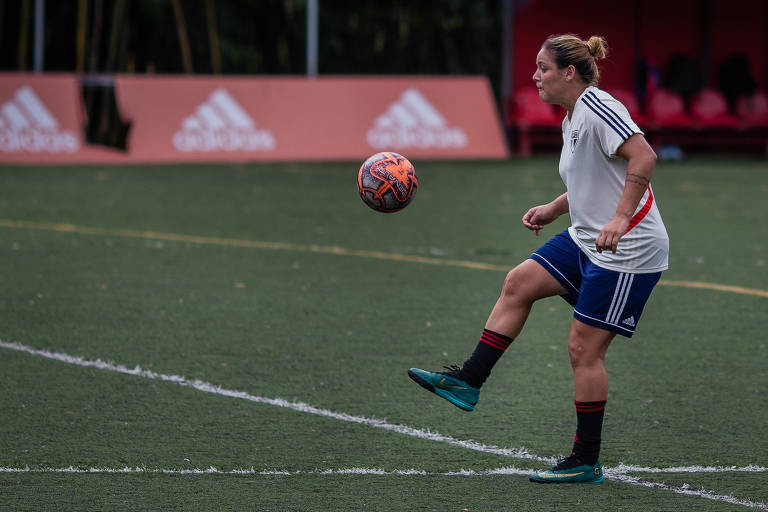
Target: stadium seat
(710, 110)
(629, 100)
(530, 110)
(667, 110)
(534, 120)
(752, 111)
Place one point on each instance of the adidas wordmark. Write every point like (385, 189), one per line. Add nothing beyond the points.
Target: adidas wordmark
(26, 124)
(412, 121)
(221, 124)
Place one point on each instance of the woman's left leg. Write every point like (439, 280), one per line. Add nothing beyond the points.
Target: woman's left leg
(587, 346)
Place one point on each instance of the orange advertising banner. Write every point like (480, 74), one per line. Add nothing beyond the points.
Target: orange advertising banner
(42, 120)
(297, 118)
(241, 119)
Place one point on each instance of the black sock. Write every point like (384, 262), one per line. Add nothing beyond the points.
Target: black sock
(586, 442)
(489, 349)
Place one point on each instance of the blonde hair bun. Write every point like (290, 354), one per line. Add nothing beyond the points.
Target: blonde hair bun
(597, 47)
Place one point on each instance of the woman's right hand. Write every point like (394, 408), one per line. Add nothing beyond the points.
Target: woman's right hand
(539, 216)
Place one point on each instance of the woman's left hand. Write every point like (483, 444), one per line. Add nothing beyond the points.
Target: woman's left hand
(613, 231)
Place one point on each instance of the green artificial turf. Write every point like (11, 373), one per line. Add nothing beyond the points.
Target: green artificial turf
(208, 297)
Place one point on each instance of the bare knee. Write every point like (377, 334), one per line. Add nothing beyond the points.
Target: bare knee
(514, 287)
(587, 345)
(579, 354)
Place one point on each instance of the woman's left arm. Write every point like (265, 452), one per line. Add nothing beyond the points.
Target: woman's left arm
(641, 159)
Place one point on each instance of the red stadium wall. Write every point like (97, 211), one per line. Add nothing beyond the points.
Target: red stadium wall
(681, 46)
(653, 30)
(741, 28)
(539, 19)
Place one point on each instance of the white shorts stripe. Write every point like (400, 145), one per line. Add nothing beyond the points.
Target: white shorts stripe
(545, 260)
(579, 314)
(622, 301)
(616, 294)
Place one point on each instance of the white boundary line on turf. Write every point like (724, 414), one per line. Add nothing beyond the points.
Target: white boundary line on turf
(519, 453)
(507, 470)
(688, 491)
(619, 473)
(140, 470)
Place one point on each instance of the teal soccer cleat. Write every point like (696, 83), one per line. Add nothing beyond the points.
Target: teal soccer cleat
(448, 386)
(570, 470)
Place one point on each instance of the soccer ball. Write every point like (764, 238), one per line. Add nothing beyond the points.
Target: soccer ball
(387, 182)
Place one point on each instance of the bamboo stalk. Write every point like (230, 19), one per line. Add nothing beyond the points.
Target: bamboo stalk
(82, 32)
(115, 31)
(181, 28)
(2, 18)
(96, 35)
(213, 37)
(26, 16)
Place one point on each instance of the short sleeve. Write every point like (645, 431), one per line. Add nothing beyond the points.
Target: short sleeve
(611, 122)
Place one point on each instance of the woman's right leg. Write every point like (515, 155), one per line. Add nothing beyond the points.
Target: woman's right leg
(524, 285)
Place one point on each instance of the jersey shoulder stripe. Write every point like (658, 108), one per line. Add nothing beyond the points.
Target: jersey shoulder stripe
(608, 110)
(611, 112)
(609, 116)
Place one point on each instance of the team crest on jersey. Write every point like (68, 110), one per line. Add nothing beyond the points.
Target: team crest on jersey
(574, 139)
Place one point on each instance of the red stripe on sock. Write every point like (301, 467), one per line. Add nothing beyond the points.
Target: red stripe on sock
(494, 340)
(590, 406)
(497, 338)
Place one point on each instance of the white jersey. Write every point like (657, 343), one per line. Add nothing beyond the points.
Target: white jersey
(595, 176)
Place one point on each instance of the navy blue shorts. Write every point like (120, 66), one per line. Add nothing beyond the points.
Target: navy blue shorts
(601, 298)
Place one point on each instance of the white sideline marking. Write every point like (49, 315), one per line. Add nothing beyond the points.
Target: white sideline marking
(508, 470)
(519, 453)
(624, 468)
(686, 490)
(619, 473)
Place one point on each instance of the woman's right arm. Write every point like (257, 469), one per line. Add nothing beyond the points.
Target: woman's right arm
(539, 216)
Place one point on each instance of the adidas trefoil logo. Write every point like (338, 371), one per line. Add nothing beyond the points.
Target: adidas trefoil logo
(26, 124)
(412, 122)
(629, 321)
(221, 124)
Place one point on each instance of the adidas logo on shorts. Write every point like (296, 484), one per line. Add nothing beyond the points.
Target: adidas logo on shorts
(629, 321)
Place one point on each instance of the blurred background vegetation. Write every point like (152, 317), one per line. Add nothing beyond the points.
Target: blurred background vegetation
(246, 37)
(264, 37)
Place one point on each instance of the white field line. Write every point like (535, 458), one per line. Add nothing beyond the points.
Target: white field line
(688, 491)
(507, 470)
(518, 453)
(624, 469)
(618, 473)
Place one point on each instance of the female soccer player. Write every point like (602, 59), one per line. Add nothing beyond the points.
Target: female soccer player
(605, 264)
